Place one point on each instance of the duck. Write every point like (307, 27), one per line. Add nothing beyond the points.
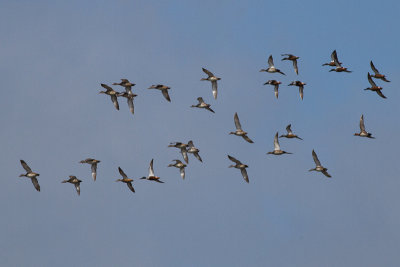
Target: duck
(377, 74)
(76, 182)
(129, 98)
(125, 179)
(213, 79)
(93, 163)
(151, 176)
(332, 62)
(294, 59)
(113, 94)
(290, 134)
(242, 167)
(30, 174)
(164, 90)
(277, 149)
(126, 84)
(271, 68)
(374, 87)
(319, 167)
(276, 84)
(193, 150)
(182, 147)
(181, 166)
(300, 85)
(363, 132)
(202, 104)
(338, 65)
(239, 131)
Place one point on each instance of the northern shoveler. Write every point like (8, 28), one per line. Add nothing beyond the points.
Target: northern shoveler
(213, 79)
(271, 68)
(113, 94)
(93, 163)
(30, 174)
(294, 59)
(239, 131)
(276, 84)
(363, 132)
(377, 74)
(164, 90)
(242, 167)
(338, 65)
(301, 87)
(76, 182)
(374, 87)
(125, 179)
(202, 104)
(181, 166)
(319, 167)
(290, 134)
(151, 176)
(277, 148)
(182, 147)
(193, 150)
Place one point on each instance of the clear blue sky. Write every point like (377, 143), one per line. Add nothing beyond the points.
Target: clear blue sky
(55, 54)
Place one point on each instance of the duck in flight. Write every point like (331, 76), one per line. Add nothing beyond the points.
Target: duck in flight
(182, 147)
(319, 167)
(202, 104)
(213, 79)
(93, 165)
(129, 98)
(363, 132)
(151, 176)
(290, 134)
(193, 150)
(125, 179)
(338, 65)
(300, 85)
(76, 182)
(271, 67)
(239, 131)
(374, 87)
(292, 58)
(126, 84)
(276, 84)
(277, 148)
(377, 75)
(113, 94)
(242, 167)
(164, 90)
(180, 165)
(30, 174)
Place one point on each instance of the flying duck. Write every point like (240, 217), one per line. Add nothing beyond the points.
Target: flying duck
(164, 90)
(374, 87)
(127, 84)
(377, 74)
(181, 166)
(319, 167)
(93, 163)
(242, 167)
(276, 84)
(151, 176)
(202, 104)
(271, 68)
(338, 65)
(75, 181)
(129, 98)
(239, 131)
(294, 59)
(277, 147)
(300, 85)
(182, 147)
(30, 174)
(125, 179)
(109, 91)
(213, 79)
(290, 134)
(363, 132)
(193, 150)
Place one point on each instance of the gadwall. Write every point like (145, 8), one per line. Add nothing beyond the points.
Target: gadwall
(374, 87)
(151, 176)
(363, 132)
(30, 174)
(181, 166)
(76, 182)
(213, 79)
(93, 163)
(300, 85)
(377, 74)
(277, 148)
(164, 90)
(271, 68)
(202, 104)
(239, 131)
(125, 179)
(113, 94)
(290, 134)
(294, 59)
(319, 167)
(276, 84)
(242, 167)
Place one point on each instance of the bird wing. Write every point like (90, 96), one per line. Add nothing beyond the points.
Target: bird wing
(182, 171)
(108, 88)
(200, 99)
(301, 91)
(335, 58)
(210, 109)
(244, 174)
(362, 126)
(122, 173)
(94, 171)
(78, 188)
(237, 122)
(379, 92)
(276, 142)
(326, 174)
(270, 61)
(184, 154)
(190, 143)
(130, 186)
(373, 68)
(128, 89)
(209, 73)
(198, 156)
(35, 183)
(234, 160)
(295, 66)
(245, 137)
(166, 95)
(115, 101)
(373, 84)
(288, 129)
(130, 104)
(276, 87)
(151, 170)
(315, 157)
(214, 89)
(25, 166)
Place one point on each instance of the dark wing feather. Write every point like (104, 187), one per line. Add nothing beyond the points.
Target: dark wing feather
(373, 68)
(130, 186)
(315, 157)
(379, 92)
(25, 166)
(115, 101)
(35, 183)
(166, 95)
(122, 173)
(209, 73)
(244, 174)
(234, 160)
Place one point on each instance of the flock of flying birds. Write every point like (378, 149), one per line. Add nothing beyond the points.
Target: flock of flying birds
(190, 148)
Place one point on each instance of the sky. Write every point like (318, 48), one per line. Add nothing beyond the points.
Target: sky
(55, 54)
